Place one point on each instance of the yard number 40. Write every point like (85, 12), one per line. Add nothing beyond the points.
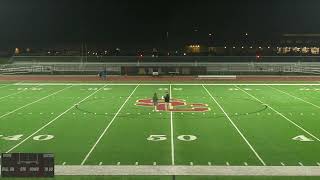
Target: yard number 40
(19, 137)
(164, 137)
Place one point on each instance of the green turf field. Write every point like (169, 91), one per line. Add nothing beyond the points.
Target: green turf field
(224, 125)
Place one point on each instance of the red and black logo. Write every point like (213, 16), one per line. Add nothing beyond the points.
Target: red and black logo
(175, 105)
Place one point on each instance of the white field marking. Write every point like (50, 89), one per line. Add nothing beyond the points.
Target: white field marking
(300, 163)
(154, 163)
(295, 97)
(64, 163)
(285, 117)
(245, 163)
(308, 171)
(6, 86)
(100, 163)
(53, 120)
(318, 163)
(106, 129)
(209, 164)
(137, 163)
(118, 163)
(34, 102)
(282, 164)
(160, 84)
(235, 126)
(171, 129)
(191, 163)
(227, 163)
(13, 94)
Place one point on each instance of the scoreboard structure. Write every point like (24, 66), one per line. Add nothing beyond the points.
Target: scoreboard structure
(27, 165)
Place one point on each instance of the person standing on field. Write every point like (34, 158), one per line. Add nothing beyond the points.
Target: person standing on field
(167, 101)
(155, 101)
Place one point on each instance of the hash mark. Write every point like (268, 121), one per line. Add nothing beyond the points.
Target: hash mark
(191, 163)
(245, 163)
(282, 163)
(227, 163)
(100, 163)
(300, 164)
(318, 163)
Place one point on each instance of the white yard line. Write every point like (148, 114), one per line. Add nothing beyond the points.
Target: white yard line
(171, 128)
(295, 97)
(235, 126)
(53, 120)
(13, 94)
(285, 117)
(165, 84)
(106, 129)
(34, 102)
(6, 86)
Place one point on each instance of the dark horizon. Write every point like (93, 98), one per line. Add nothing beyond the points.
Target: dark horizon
(124, 23)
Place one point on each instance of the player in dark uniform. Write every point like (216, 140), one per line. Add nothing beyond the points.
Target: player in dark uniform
(167, 100)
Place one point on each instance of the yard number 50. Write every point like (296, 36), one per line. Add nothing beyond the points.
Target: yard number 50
(164, 137)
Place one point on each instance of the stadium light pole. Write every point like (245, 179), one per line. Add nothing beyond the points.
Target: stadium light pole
(210, 43)
(168, 43)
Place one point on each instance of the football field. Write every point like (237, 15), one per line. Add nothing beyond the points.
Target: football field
(204, 125)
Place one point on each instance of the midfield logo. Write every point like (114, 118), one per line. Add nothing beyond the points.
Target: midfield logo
(176, 105)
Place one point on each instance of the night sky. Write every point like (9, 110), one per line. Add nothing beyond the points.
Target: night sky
(125, 23)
